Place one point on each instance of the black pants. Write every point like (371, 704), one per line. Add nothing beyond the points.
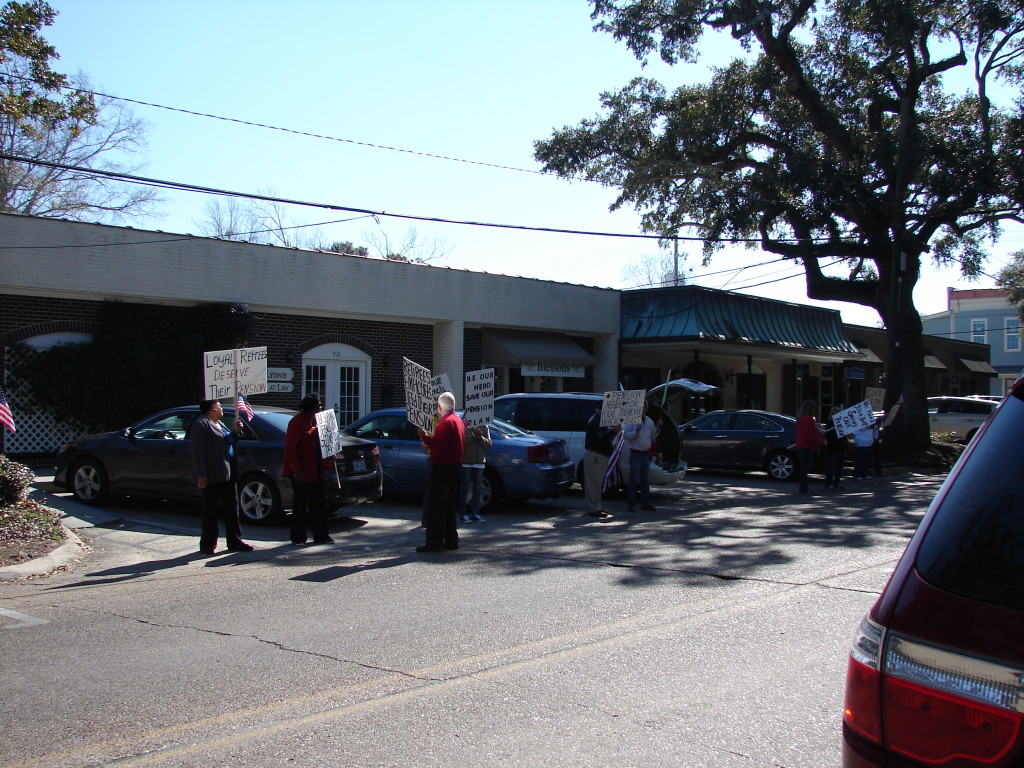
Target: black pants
(308, 500)
(220, 503)
(443, 492)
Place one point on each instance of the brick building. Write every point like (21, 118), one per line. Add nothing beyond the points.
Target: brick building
(336, 324)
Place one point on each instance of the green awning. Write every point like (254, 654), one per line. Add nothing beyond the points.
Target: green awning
(692, 313)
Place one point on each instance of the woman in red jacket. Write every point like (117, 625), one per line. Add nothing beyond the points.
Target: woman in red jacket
(304, 465)
(808, 440)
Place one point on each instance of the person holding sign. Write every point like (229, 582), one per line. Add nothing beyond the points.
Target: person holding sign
(477, 441)
(216, 469)
(303, 464)
(446, 454)
(808, 440)
(597, 446)
(640, 438)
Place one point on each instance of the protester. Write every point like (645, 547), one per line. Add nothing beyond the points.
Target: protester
(863, 439)
(597, 450)
(215, 467)
(446, 454)
(808, 440)
(639, 438)
(477, 441)
(835, 454)
(304, 465)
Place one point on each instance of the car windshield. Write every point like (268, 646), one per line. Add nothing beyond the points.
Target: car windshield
(278, 419)
(505, 429)
(974, 545)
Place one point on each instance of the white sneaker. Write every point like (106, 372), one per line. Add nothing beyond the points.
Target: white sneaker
(465, 519)
(478, 519)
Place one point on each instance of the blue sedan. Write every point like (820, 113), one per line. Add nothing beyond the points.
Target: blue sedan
(520, 464)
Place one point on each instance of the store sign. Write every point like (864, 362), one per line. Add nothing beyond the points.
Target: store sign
(280, 374)
(554, 369)
(280, 386)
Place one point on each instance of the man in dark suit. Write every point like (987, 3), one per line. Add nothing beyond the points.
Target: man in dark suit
(215, 468)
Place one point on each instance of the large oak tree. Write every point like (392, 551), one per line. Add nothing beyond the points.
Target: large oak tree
(864, 133)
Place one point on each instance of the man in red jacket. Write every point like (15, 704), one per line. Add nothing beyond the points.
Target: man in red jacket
(304, 465)
(446, 453)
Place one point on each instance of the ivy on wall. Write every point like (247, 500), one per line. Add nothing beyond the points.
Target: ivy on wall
(142, 358)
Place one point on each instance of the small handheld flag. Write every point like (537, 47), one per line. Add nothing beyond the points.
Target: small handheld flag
(244, 409)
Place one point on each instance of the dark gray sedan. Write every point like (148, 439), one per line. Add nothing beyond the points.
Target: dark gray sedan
(741, 440)
(152, 458)
(520, 464)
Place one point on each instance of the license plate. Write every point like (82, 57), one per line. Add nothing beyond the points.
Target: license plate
(359, 466)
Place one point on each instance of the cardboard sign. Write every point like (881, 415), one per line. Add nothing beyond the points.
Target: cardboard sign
(620, 408)
(854, 418)
(330, 435)
(420, 403)
(479, 407)
(877, 397)
(439, 385)
(225, 368)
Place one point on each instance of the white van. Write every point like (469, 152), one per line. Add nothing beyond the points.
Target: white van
(564, 415)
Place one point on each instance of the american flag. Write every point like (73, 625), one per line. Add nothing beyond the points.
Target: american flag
(5, 413)
(612, 474)
(244, 408)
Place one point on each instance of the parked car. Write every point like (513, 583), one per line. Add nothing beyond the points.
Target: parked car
(152, 458)
(519, 465)
(936, 671)
(564, 416)
(960, 415)
(741, 439)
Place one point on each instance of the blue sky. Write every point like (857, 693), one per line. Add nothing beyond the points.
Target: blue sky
(478, 81)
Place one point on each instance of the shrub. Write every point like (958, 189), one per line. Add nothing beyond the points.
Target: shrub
(15, 480)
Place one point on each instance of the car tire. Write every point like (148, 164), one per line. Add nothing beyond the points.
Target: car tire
(781, 466)
(259, 500)
(89, 482)
(491, 492)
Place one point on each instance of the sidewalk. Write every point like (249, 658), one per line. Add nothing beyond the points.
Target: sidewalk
(77, 516)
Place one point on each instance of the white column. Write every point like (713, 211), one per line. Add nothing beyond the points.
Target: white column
(606, 365)
(448, 357)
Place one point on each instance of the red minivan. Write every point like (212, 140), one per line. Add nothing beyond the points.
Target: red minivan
(936, 672)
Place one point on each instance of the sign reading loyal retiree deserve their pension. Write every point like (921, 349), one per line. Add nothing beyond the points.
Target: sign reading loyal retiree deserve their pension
(479, 406)
(622, 407)
(420, 403)
(853, 418)
(223, 369)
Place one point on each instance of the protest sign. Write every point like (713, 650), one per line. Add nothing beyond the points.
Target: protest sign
(479, 406)
(622, 407)
(439, 385)
(853, 418)
(330, 435)
(420, 403)
(226, 368)
(877, 397)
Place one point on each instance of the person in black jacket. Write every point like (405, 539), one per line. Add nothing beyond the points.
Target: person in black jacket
(215, 467)
(835, 455)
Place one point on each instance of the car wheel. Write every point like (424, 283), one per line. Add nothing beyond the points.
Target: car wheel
(781, 465)
(259, 501)
(491, 492)
(89, 482)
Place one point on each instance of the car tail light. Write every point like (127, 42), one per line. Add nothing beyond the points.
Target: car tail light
(376, 456)
(538, 454)
(934, 706)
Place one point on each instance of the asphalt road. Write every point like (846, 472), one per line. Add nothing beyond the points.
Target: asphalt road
(712, 632)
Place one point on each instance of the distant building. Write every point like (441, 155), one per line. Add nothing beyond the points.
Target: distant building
(982, 316)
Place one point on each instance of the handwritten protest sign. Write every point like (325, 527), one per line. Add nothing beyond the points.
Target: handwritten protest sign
(479, 397)
(224, 368)
(877, 397)
(439, 385)
(420, 403)
(622, 407)
(853, 418)
(330, 435)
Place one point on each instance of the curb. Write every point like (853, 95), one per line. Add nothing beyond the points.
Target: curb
(62, 556)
